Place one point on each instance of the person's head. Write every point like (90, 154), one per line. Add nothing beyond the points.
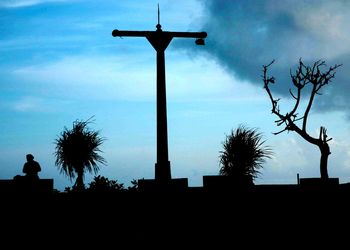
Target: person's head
(29, 157)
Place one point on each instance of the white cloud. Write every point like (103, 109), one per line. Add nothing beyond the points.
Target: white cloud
(96, 77)
(28, 104)
(293, 155)
(133, 78)
(26, 3)
(323, 24)
(35, 103)
(245, 38)
(340, 149)
(40, 42)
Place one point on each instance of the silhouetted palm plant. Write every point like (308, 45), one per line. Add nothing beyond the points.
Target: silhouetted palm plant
(77, 151)
(243, 153)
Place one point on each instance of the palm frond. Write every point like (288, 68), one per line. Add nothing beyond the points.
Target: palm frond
(243, 153)
(77, 150)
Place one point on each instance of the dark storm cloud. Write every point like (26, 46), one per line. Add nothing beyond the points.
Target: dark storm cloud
(243, 35)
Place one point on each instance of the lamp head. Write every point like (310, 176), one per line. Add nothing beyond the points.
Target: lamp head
(115, 33)
(200, 41)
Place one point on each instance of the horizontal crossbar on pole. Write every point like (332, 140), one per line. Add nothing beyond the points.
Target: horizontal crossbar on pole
(167, 33)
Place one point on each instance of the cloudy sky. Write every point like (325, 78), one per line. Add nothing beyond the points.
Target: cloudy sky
(59, 63)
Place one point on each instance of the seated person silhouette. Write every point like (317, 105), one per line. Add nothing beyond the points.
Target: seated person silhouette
(31, 168)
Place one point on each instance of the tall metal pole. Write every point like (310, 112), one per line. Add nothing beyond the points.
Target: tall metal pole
(162, 167)
(160, 40)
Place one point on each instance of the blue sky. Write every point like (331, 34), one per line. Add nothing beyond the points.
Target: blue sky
(59, 63)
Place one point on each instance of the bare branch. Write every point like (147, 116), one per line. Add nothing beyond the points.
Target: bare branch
(297, 102)
(303, 76)
(274, 102)
(280, 122)
(279, 132)
(299, 119)
(318, 79)
(308, 108)
(270, 64)
(321, 131)
(326, 77)
(291, 93)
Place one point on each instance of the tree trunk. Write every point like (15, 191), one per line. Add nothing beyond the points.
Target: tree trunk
(79, 183)
(325, 152)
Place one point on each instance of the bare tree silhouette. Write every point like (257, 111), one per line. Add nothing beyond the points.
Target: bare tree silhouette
(77, 151)
(243, 153)
(303, 77)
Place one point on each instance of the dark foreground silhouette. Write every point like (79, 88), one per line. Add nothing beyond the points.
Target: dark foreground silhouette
(160, 40)
(31, 168)
(27, 183)
(263, 214)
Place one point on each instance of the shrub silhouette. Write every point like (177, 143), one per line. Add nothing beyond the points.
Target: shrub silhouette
(243, 153)
(134, 186)
(103, 184)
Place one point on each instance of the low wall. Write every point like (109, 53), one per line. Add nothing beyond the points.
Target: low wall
(24, 185)
(178, 184)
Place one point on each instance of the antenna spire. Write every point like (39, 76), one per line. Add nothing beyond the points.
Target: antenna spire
(158, 25)
(158, 15)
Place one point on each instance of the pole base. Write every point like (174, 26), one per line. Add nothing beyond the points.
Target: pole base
(162, 171)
